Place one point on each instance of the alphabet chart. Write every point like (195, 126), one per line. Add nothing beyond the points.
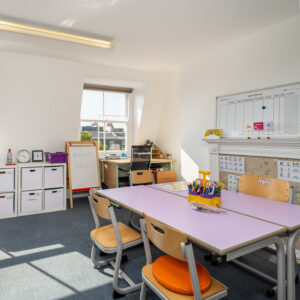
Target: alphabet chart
(289, 170)
(235, 164)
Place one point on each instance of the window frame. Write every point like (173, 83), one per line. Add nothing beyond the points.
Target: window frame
(104, 120)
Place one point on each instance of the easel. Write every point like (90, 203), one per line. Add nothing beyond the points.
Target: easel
(70, 144)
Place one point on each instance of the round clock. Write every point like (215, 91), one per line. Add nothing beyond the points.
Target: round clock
(23, 156)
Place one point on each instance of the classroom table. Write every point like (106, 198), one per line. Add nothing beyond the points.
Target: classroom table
(110, 169)
(280, 213)
(230, 235)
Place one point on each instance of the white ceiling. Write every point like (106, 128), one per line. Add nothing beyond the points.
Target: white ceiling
(148, 34)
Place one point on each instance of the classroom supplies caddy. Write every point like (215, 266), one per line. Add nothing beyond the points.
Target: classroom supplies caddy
(205, 191)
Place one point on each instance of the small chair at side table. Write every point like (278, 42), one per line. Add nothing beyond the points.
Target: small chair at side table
(112, 239)
(139, 177)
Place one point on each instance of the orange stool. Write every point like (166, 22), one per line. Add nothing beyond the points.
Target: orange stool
(174, 275)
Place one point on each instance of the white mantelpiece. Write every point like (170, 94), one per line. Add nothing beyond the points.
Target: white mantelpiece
(273, 147)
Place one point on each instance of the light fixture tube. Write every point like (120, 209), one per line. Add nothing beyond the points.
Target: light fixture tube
(56, 35)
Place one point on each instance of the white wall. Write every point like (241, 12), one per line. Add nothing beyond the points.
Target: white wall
(168, 135)
(267, 58)
(40, 100)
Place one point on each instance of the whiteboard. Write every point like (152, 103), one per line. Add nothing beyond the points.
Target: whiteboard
(280, 105)
(83, 166)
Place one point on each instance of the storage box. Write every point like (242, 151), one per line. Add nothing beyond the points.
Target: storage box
(164, 176)
(57, 157)
(31, 201)
(54, 199)
(7, 180)
(54, 177)
(32, 178)
(6, 205)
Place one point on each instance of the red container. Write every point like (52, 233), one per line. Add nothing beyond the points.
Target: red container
(57, 157)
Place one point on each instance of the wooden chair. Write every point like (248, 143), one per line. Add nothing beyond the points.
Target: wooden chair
(270, 188)
(265, 187)
(175, 275)
(112, 239)
(139, 177)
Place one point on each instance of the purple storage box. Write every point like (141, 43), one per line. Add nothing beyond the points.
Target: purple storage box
(57, 157)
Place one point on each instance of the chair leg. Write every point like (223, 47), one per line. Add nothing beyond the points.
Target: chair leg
(119, 273)
(143, 291)
(99, 263)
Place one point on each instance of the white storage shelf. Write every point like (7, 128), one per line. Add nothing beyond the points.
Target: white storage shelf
(42, 188)
(8, 191)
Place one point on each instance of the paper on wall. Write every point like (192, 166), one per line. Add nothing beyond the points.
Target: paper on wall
(233, 182)
(289, 170)
(235, 164)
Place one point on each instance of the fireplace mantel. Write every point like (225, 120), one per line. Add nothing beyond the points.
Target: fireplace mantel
(273, 147)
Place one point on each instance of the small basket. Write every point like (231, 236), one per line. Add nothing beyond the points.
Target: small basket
(57, 157)
(213, 200)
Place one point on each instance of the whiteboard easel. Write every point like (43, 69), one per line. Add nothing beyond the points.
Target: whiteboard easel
(83, 167)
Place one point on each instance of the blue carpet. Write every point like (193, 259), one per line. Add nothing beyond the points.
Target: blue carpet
(47, 256)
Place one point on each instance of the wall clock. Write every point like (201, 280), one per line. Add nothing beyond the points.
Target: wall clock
(23, 156)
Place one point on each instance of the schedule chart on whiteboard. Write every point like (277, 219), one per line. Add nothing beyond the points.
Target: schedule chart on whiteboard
(279, 106)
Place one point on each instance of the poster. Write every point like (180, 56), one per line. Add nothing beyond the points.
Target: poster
(289, 170)
(235, 164)
(233, 182)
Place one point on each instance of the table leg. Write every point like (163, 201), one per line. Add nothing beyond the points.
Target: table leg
(102, 172)
(281, 295)
(291, 265)
(117, 176)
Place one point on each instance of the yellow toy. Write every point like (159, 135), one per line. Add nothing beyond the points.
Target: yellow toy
(205, 191)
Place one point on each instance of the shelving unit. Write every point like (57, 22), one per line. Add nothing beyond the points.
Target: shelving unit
(8, 191)
(41, 188)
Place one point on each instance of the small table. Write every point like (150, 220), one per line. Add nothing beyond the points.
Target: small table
(110, 169)
(230, 235)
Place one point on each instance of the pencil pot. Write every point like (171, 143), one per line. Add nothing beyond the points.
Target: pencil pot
(213, 200)
(194, 196)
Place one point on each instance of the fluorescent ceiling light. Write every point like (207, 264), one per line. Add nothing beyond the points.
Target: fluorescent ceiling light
(56, 35)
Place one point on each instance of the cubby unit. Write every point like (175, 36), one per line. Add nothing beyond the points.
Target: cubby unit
(8, 191)
(42, 188)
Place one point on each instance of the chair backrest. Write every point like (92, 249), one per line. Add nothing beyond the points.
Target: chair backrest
(165, 238)
(141, 177)
(265, 187)
(140, 158)
(100, 206)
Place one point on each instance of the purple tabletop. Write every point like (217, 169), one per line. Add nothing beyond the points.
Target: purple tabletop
(162, 188)
(282, 213)
(221, 233)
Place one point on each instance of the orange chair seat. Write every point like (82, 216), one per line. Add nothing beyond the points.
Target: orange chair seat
(106, 237)
(174, 275)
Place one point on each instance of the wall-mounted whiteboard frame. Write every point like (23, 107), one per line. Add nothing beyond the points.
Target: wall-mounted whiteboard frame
(87, 164)
(282, 106)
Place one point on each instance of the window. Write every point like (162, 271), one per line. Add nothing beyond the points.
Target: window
(105, 117)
